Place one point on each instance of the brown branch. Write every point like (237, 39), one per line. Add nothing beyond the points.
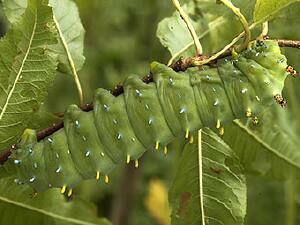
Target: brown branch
(180, 65)
(124, 197)
(289, 43)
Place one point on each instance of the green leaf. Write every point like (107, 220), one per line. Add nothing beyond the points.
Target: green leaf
(17, 206)
(215, 25)
(71, 32)
(14, 9)
(71, 35)
(270, 148)
(173, 32)
(264, 9)
(27, 69)
(208, 178)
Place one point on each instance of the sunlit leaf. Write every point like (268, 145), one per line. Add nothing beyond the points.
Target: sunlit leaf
(215, 25)
(269, 148)
(215, 184)
(71, 32)
(27, 69)
(264, 9)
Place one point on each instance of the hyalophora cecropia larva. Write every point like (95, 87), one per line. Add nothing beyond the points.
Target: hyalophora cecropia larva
(149, 116)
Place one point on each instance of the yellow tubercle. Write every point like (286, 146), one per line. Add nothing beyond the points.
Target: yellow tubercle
(248, 113)
(136, 163)
(156, 145)
(70, 192)
(128, 159)
(191, 139)
(218, 124)
(187, 134)
(165, 150)
(106, 179)
(34, 194)
(255, 120)
(234, 54)
(63, 189)
(221, 131)
(97, 175)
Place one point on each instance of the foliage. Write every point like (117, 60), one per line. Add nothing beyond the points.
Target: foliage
(18, 206)
(193, 195)
(120, 40)
(67, 22)
(27, 70)
(263, 9)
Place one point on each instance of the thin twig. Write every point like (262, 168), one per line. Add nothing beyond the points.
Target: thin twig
(71, 63)
(185, 48)
(289, 43)
(124, 197)
(246, 31)
(243, 21)
(264, 30)
(180, 65)
(190, 27)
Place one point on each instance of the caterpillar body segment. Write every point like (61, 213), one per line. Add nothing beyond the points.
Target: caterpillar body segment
(149, 116)
(59, 162)
(113, 124)
(88, 152)
(176, 99)
(210, 96)
(146, 114)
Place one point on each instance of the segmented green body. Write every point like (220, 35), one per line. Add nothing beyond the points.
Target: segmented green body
(150, 115)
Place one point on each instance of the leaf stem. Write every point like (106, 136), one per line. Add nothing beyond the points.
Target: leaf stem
(71, 62)
(243, 21)
(190, 27)
(246, 33)
(224, 50)
(290, 193)
(265, 29)
(200, 175)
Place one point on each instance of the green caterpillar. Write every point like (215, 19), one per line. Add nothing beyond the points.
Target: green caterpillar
(150, 115)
